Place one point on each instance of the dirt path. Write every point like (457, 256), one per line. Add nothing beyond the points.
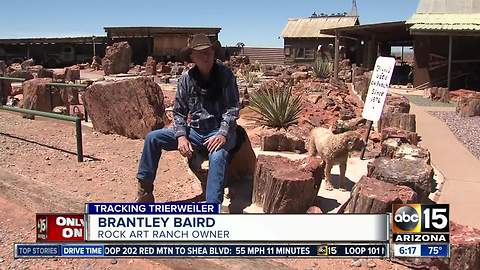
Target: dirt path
(39, 172)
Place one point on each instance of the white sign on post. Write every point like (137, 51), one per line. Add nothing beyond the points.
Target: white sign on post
(378, 89)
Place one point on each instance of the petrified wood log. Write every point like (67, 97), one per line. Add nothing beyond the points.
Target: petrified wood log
(468, 107)
(373, 196)
(394, 148)
(403, 135)
(404, 172)
(399, 120)
(285, 186)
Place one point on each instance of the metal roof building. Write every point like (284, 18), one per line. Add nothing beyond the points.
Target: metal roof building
(447, 36)
(310, 27)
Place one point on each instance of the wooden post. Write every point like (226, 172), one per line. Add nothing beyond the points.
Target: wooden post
(370, 123)
(337, 56)
(450, 45)
(93, 43)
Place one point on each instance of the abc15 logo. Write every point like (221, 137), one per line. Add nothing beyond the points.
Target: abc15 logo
(420, 218)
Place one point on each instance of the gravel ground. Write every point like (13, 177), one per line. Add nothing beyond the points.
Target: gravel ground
(426, 102)
(466, 129)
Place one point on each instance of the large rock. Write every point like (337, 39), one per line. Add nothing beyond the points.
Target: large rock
(27, 63)
(404, 172)
(151, 66)
(24, 74)
(394, 148)
(372, 196)
(404, 135)
(396, 104)
(299, 76)
(468, 107)
(5, 91)
(399, 120)
(72, 74)
(37, 96)
(282, 141)
(465, 247)
(129, 107)
(285, 186)
(45, 73)
(117, 58)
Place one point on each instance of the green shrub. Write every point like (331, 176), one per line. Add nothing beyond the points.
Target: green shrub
(276, 105)
(322, 70)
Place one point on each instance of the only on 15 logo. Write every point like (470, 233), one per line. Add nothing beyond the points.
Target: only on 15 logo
(420, 218)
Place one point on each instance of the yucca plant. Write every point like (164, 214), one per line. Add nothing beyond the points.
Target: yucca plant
(322, 69)
(251, 78)
(276, 106)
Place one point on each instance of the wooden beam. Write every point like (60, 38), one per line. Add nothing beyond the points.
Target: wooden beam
(336, 62)
(450, 45)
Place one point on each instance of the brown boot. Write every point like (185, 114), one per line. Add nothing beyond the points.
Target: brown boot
(145, 192)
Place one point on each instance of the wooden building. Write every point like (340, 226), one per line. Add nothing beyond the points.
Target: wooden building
(302, 37)
(52, 52)
(447, 38)
(163, 43)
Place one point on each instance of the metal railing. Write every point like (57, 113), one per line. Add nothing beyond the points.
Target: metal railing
(77, 120)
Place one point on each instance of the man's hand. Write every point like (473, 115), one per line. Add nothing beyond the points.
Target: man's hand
(185, 147)
(215, 142)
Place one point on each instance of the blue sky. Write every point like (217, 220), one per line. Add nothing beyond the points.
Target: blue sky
(254, 22)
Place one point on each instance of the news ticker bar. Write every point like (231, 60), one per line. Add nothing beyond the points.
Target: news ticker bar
(236, 228)
(421, 250)
(200, 250)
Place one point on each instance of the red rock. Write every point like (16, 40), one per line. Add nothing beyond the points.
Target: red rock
(24, 74)
(404, 172)
(285, 186)
(36, 95)
(396, 104)
(164, 69)
(403, 135)
(372, 196)
(272, 73)
(59, 75)
(129, 107)
(5, 91)
(299, 76)
(468, 107)
(281, 141)
(117, 58)
(27, 63)
(72, 74)
(399, 120)
(457, 94)
(151, 66)
(45, 73)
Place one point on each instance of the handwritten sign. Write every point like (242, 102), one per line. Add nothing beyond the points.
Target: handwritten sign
(378, 89)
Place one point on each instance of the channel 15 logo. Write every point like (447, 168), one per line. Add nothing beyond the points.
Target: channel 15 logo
(420, 218)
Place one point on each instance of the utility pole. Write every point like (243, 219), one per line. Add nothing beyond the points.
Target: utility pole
(354, 12)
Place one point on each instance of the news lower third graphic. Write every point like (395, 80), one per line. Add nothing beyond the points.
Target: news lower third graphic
(199, 230)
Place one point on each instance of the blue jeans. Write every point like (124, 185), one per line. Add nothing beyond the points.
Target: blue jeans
(164, 139)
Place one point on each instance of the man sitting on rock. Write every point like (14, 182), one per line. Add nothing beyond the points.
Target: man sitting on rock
(207, 95)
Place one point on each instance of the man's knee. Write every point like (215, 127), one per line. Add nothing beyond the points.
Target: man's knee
(220, 155)
(163, 137)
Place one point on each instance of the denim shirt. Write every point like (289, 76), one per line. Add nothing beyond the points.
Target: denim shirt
(206, 115)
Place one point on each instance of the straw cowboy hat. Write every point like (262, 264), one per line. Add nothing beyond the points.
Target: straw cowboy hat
(198, 42)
